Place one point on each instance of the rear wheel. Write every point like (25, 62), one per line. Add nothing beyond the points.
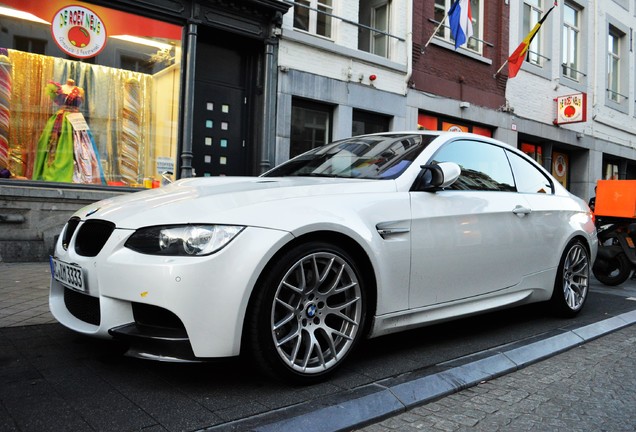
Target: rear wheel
(308, 314)
(614, 271)
(572, 281)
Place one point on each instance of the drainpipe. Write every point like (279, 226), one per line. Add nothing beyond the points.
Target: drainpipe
(409, 46)
(270, 93)
(188, 102)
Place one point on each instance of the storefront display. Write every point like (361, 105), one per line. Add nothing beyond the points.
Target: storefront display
(88, 95)
(430, 121)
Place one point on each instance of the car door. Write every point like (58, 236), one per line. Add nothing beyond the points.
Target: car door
(470, 239)
(548, 212)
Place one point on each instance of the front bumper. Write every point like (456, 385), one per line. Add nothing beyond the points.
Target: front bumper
(168, 308)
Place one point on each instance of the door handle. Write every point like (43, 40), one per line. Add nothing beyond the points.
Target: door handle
(521, 211)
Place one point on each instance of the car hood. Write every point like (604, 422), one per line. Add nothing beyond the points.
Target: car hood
(227, 200)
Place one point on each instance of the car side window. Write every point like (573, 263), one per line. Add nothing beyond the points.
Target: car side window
(528, 178)
(484, 166)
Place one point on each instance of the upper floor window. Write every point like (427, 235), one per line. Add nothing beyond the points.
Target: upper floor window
(614, 65)
(314, 16)
(570, 62)
(474, 43)
(532, 13)
(374, 15)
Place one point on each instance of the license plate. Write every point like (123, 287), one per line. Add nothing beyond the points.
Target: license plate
(68, 275)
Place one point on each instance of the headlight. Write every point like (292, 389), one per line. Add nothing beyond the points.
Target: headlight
(185, 240)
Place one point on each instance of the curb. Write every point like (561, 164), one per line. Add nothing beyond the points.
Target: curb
(373, 402)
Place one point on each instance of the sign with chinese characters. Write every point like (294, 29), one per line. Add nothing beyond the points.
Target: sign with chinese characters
(571, 108)
(78, 31)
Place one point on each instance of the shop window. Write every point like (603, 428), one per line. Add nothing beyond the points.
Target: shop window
(311, 126)
(561, 167)
(135, 64)
(534, 151)
(432, 122)
(27, 44)
(610, 171)
(365, 122)
(84, 113)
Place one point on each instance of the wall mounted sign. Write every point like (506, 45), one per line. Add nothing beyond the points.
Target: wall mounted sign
(78, 31)
(571, 108)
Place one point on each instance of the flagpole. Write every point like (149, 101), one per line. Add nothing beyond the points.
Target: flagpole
(440, 25)
(556, 3)
(499, 70)
(434, 32)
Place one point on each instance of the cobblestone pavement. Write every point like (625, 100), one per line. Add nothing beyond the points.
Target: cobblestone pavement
(24, 294)
(589, 388)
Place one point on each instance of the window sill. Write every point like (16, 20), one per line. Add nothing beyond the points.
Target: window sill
(463, 51)
(331, 46)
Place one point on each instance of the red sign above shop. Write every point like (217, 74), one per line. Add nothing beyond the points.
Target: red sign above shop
(571, 108)
(119, 22)
(78, 31)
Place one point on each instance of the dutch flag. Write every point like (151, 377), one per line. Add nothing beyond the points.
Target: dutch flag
(460, 18)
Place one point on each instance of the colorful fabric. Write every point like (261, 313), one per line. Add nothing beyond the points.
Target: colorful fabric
(64, 154)
(460, 18)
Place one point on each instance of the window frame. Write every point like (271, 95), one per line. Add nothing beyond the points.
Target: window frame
(314, 9)
(542, 67)
(613, 64)
(475, 43)
(571, 45)
(620, 32)
(374, 36)
(535, 54)
(314, 106)
(502, 159)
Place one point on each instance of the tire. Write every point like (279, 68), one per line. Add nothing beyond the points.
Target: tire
(572, 280)
(613, 272)
(308, 314)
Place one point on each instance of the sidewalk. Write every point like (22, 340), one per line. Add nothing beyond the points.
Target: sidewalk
(589, 388)
(24, 294)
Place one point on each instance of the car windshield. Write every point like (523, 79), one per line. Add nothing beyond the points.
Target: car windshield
(368, 157)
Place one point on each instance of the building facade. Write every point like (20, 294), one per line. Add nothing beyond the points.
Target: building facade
(99, 98)
(234, 87)
(581, 58)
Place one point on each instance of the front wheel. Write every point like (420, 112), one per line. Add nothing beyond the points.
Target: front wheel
(614, 271)
(572, 281)
(308, 314)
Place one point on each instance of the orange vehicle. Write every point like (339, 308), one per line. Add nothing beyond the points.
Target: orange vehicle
(615, 199)
(615, 212)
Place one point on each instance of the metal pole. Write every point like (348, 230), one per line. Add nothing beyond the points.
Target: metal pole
(188, 102)
(268, 131)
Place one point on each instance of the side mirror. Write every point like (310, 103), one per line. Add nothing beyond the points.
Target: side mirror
(436, 176)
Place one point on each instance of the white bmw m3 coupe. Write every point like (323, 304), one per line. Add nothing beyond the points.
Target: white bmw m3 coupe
(360, 238)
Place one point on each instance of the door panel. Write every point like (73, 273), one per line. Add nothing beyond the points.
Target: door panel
(465, 243)
(218, 139)
(220, 128)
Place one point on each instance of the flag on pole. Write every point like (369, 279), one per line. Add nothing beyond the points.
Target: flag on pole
(519, 55)
(460, 19)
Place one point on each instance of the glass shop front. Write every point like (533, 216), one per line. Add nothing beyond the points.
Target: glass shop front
(88, 94)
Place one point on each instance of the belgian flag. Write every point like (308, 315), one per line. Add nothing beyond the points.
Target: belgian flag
(519, 55)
